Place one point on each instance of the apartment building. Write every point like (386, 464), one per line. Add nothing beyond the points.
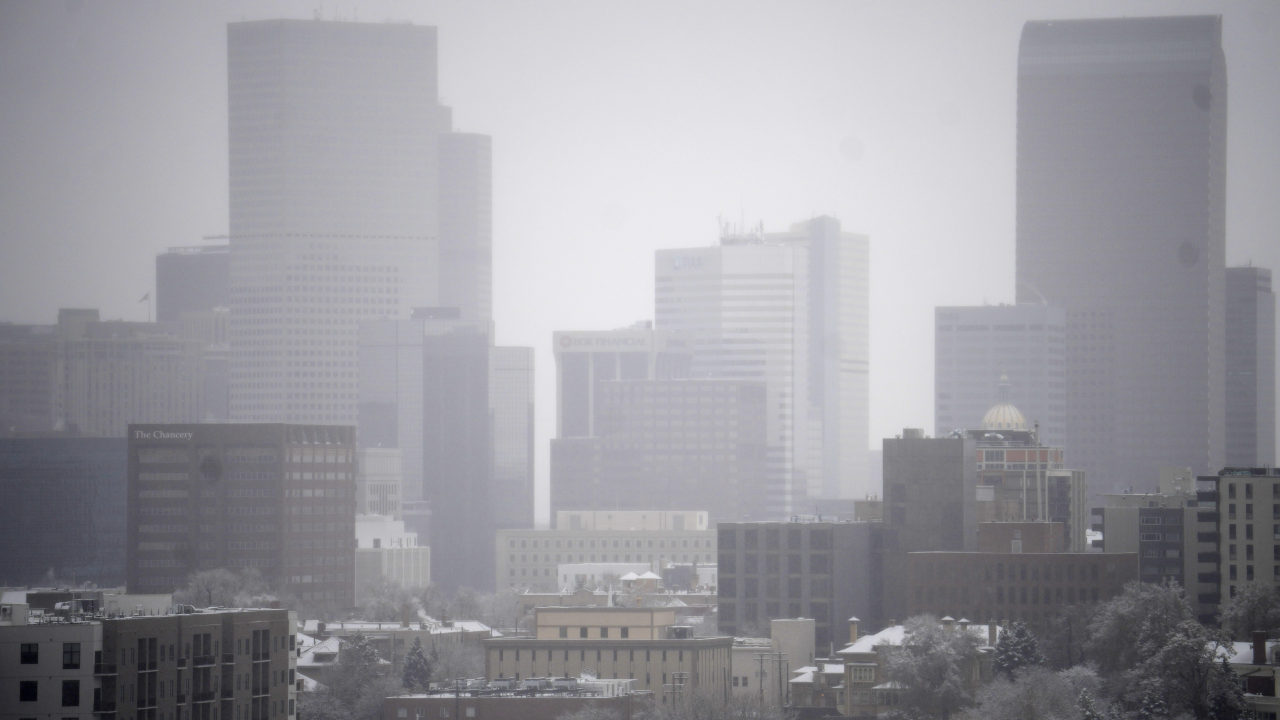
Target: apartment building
(189, 665)
(528, 559)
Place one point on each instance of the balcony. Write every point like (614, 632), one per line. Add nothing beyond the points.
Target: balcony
(1208, 537)
(261, 690)
(264, 655)
(1209, 598)
(205, 696)
(1210, 495)
(182, 698)
(1208, 557)
(1203, 516)
(182, 662)
(204, 660)
(1209, 577)
(150, 665)
(104, 706)
(104, 668)
(228, 658)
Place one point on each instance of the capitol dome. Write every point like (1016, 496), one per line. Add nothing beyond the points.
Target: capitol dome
(1004, 416)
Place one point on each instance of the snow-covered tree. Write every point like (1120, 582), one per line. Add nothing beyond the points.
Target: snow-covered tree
(1125, 629)
(417, 668)
(1035, 693)
(1088, 708)
(1256, 606)
(1016, 649)
(934, 665)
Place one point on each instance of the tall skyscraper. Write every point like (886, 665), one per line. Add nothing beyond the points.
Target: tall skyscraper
(1251, 368)
(1120, 221)
(460, 410)
(192, 280)
(789, 309)
(334, 195)
(839, 355)
(974, 347)
(466, 225)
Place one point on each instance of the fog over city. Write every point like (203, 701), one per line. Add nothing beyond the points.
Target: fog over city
(903, 359)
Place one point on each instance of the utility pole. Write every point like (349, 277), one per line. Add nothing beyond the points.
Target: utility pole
(676, 687)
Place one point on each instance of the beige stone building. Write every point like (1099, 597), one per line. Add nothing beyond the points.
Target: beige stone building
(643, 644)
(528, 559)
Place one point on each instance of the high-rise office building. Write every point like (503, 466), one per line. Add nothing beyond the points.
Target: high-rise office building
(113, 373)
(974, 347)
(839, 355)
(1121, 177)
(278, 498)
(1251, 368)
(666, 445)
(466, 225)
(460, 411)
(28, 377)
(334, 190)
(192, 279)
(586, 359)
(63, 515)
(751, 307)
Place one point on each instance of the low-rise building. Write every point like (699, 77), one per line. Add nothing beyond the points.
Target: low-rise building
(641, 644)
(1010, 587)
(763, 667)
(528, 559)
(393, 639)
(196, 664)
(385, 551)
(868, 692)
(822, 570)
(546, 700)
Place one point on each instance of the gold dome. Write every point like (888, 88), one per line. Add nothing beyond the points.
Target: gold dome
(1004, 416)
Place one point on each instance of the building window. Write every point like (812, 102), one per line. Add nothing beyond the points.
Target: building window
(582, 632)
(626, 632)
(604, 632)
(71, 656)
(564, 631)
(27, 691)
(31, 653)
(70, 693)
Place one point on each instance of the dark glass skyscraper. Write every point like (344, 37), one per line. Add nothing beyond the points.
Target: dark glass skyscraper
(1120, 220)
(192, 279)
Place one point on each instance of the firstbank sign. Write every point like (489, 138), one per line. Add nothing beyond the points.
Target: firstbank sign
(568, 342)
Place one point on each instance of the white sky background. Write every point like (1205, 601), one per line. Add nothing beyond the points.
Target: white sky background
(619, 128)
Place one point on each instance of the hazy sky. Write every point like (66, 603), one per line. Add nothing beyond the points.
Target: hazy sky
(619, 128)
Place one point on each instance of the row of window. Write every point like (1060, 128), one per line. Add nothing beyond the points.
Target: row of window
(624, 632)
(29, 691)
(1014, 595)
(582, 654)
(605, 543)
(29, 654)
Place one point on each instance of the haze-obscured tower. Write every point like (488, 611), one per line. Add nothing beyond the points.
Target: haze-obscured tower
(192, 280)
(1120, 220)
(334, 193)
(466, 225)
(1251, 368)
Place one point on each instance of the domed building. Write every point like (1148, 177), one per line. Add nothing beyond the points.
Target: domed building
(1004, 416)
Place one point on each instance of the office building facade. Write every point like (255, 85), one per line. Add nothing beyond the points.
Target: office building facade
(192, 280)
(62, 518)
(1251, 368)
(667, 445)
(975, 347)
(333, 215)
(460, 411)
(839, 355)
(278, 498)
(28, 377)
(1032, 587)
(931, 491)
(1124, 228)
(466, 224)
(812, 569)
(587, 358)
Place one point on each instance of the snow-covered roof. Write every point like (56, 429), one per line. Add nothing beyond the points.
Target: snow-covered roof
(309, 685)
(629, 576)
(649, 576)
(435, 627)
(832, 669)
(803, 678)
(1241, 653)
(896, 634)
(806, 669)
(329, 648)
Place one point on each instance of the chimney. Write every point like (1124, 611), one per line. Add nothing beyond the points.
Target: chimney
(948, 622)
(993, 632)
(1259, 647)
(963, 623)
(853, 629)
